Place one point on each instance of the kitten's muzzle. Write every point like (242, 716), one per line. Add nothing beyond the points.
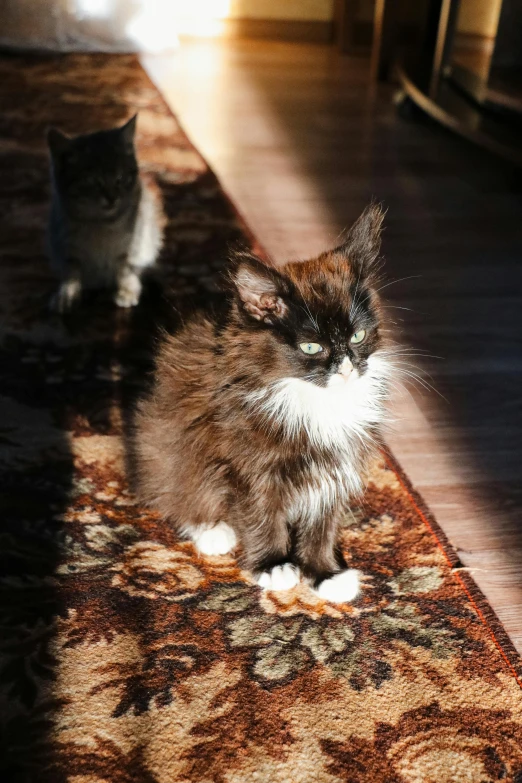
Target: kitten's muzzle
(343, 376)
(345, 368)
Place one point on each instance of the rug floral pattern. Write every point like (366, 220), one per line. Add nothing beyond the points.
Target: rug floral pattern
(124, 656)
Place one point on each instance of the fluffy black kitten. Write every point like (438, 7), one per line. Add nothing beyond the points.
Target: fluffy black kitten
(106, 223)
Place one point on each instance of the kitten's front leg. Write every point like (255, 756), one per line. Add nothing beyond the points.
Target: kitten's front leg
(69, 291)
(129, 288)
(266, 550)
(217, 539)
(321, 561)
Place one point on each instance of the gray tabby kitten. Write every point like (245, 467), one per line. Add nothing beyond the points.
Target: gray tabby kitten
(106, 223)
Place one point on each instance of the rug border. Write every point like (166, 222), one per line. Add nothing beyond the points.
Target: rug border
(480, 603)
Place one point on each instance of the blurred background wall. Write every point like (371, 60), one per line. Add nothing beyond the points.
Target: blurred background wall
(154, 25)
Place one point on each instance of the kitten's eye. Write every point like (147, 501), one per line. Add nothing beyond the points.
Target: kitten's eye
(358, 337)
(311, 348)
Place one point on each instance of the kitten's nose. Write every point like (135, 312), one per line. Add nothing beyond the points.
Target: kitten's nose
(108, 200)
(346, 367)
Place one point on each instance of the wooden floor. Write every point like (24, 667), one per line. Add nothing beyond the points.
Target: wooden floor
(301, 143)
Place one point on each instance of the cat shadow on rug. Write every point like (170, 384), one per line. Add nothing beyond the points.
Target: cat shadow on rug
(66, 383)
(38, 482)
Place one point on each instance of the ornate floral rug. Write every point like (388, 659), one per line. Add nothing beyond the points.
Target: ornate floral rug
(125, 657)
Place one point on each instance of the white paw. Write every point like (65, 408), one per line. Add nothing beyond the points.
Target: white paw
(128, 294)
(68, 293)
(340, 588)
(282, 577)
(217, 540)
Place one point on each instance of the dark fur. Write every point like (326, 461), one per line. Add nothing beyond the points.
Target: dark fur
(96, 174)
(205, 454)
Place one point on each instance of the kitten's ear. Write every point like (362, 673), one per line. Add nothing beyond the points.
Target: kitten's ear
(128, 131)
(260, 288)
(58, 142)
(363, 242)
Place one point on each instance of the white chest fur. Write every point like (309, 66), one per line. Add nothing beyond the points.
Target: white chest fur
(323, 489)
(332, 416)
(339, 418)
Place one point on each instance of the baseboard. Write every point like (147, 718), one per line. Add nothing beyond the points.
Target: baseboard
(273, 29)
